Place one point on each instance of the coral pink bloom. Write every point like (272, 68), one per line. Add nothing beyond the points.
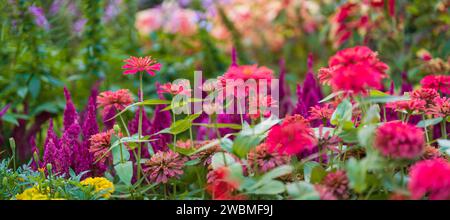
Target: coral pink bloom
(412, 106)
(175, 89)
(355, 70)
(99, 145)
(399, 140)
(440, 107)
(260, 159)
(425, 94)
(430, 178)
(438, 82)
(245, 72)
(134, 65)
(117, 100)
(321, 112)
(293, 136)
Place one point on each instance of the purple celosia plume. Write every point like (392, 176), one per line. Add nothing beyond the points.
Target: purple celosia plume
(391, 115)
(70, 113)
(406, 86)
(161, 120)
(108, 120)
(39, 17)
(310, 93)
(89, 128)
(284, 92)
(34, 150)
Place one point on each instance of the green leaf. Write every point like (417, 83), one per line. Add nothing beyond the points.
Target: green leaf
(385, 99)
(260, 128)
(180, 126)
(243, 144)
(221, 159)
(143, 103)
(332, 95)
(10, 118)
(356, 172)
(219, 125)
(272, 187)
(35, 86)
(343, 113)
(373, 115)
(444, 146)
(313, 172)
(302, 191)
(125, 172)
(377, 93)
(117, 155)
(366, 134)
(272, 174)
(429, 122)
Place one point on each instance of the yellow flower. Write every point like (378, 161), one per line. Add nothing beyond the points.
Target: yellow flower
(100, 184)
(33, 193)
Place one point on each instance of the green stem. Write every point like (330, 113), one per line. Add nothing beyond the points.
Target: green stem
(426, 130)
(141, 98)
(444, 128)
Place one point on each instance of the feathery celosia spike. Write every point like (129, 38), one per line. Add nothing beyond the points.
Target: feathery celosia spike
(406, 86)
(70, 112)
(392, 88)
(50, 152)
(161, 120)
(300, 108)
(68, 154)
(284, 91)
(234, 57)
(312, 93)
(90, 125)
(108, 120)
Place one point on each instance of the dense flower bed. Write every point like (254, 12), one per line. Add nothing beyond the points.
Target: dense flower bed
(360, 126)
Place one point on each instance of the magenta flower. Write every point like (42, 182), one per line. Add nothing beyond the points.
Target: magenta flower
(430, 178)
(70, 113)
(134, 65)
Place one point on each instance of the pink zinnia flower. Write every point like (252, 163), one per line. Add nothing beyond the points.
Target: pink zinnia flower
(355, 70)
(262, 160)
(430, 178)
(118, 100)
(338, 183)
(399, 140)
(164, 166)
(293, 136)
(438, 82)
(246, 72)
(325, 193)
(319, 112)
(412, 106)
(175, 89)
(425, 94)
(99, 145)
(134, 65)
(440, 107)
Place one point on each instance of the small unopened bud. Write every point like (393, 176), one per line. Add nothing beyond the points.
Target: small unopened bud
(116, 129)
(49, 167)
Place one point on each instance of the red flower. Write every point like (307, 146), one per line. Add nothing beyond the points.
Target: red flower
(430, 178)
(425, 94)
(164, 166)
(246, 72)
(134, 65)
(175, 89)
(438, 82)
(293, 136)
(399, 140)
(221, 187)
(99, 145)
(355, 70)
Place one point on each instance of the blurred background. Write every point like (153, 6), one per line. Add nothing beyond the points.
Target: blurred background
(80, 44)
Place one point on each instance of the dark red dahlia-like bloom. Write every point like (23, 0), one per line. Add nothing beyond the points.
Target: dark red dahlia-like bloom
(164, 166)
(399, 140)
(293, 136)
(118, 100)
(99, 145)
(134, 65)
(355, 70)
(260, 159)
(430, 178)
(438, 82)
(221, 186)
